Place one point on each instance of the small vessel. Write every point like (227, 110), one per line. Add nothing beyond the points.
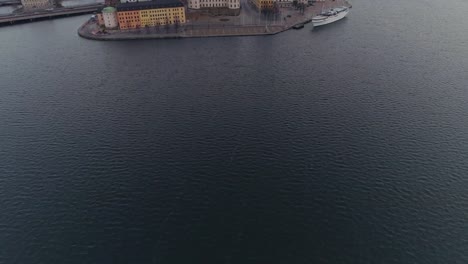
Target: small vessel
(298, 26)
(330, 16)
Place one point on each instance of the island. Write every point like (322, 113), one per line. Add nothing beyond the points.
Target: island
(159, 19)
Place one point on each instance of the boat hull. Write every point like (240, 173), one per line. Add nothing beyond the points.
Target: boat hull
(325, 20)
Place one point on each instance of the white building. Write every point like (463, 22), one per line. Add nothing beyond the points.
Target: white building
(35, 4)
(109, 14)
(197, 4)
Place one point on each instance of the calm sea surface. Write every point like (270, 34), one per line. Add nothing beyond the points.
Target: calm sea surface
(347, 144)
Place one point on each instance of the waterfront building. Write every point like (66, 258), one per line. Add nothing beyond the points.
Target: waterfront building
(128, 18)
(36, 4)
(264, 4)
(100, 19)
(198, 4)
(109, 15)
(150, 14)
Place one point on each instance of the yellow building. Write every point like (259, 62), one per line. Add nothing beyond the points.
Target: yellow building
(150, 14)
(264, 4)
(36, 4)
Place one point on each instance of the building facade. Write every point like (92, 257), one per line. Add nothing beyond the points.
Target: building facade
(109, 15)
(100, 19)
(162, 16)
(36, 4)
(264, 4)
(198, 4)
(150, 14)
(129, 19)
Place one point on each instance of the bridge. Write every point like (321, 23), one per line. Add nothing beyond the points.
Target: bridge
(10, 2)
(46, 14)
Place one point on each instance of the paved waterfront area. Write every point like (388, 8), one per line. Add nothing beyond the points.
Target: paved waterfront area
(248, 23)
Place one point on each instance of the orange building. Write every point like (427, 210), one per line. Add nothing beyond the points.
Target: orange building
(129, 19)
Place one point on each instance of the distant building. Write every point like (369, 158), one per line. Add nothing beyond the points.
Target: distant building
(133, 1)
(197, 4)
(36, 4)
(150, 14)
(109, 15)
(111, 2)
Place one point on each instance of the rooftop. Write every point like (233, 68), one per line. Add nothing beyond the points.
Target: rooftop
(108, 9)
(149, 5)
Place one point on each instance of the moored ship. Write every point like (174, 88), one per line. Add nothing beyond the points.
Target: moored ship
(330, 16)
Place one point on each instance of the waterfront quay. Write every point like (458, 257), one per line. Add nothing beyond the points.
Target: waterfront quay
(249, 22)
(46, 14)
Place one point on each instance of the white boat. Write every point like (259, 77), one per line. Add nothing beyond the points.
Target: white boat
(330, 16)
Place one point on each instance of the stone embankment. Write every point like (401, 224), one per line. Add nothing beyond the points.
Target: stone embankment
(89, 30)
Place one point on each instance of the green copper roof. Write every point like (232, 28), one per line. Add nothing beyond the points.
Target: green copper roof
(108, 9)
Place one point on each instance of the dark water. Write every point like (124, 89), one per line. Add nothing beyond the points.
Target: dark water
(348, 144)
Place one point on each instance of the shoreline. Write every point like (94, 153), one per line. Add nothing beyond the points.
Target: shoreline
(137, 36)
